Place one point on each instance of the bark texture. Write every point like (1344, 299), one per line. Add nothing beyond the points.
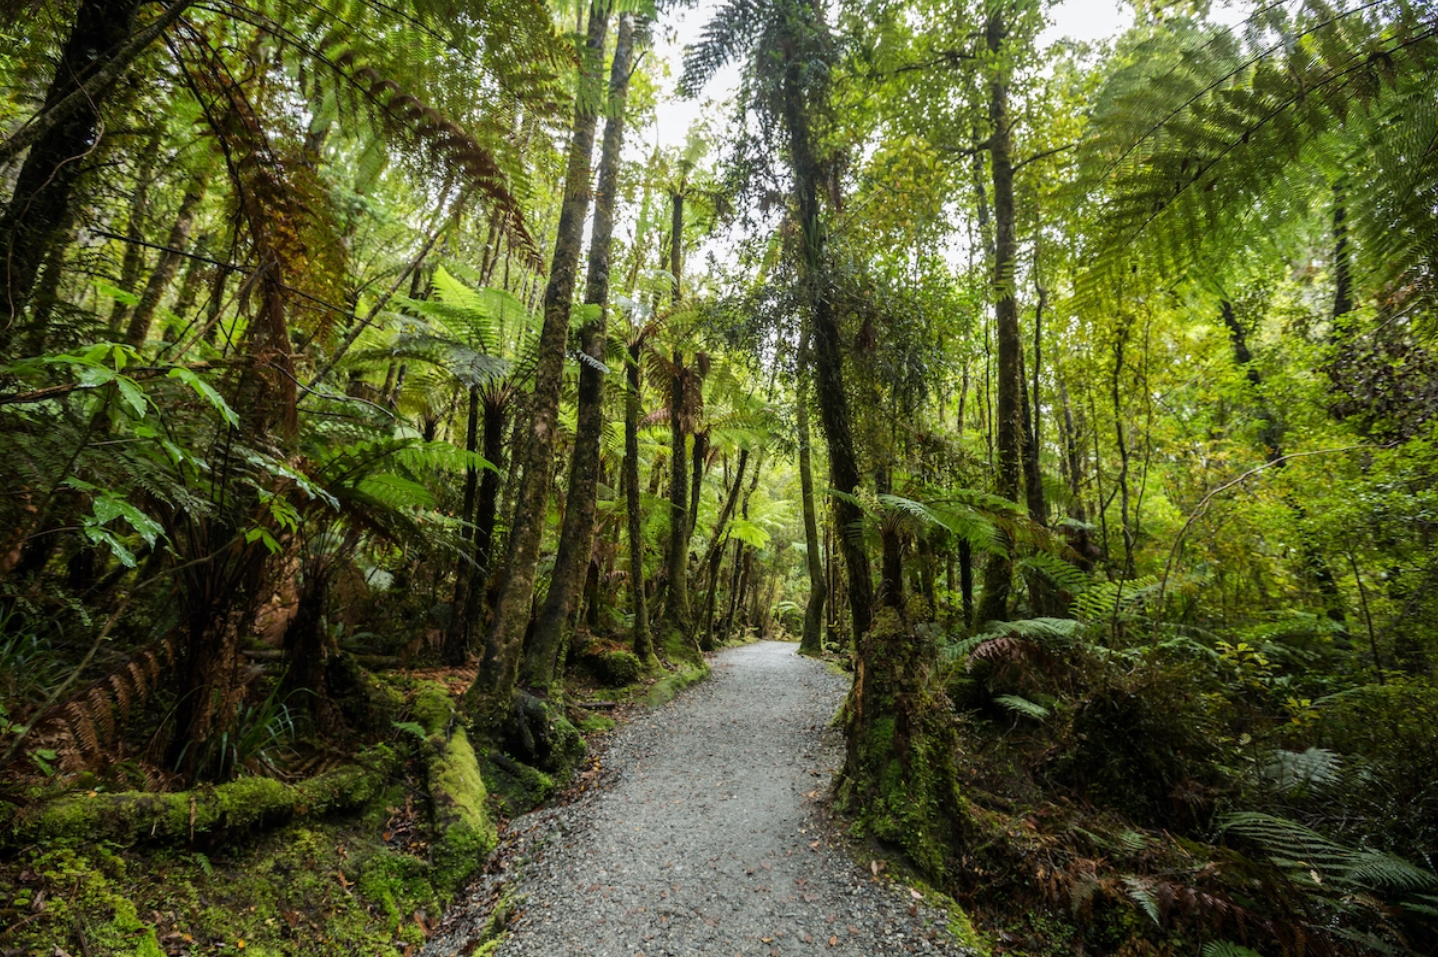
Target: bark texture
(47, 178)
(576, 537)
(490, 698)
(998, 574)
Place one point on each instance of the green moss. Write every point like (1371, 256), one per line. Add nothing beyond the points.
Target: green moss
(393, 881)
(612, 667)
(596, 724)
(677, 647)
(960, 927)
(666, 688)
(516, 788)
(432, 708)
(242, 805)
(466, 834)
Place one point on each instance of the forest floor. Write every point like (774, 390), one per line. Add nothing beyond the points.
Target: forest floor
(709, 833)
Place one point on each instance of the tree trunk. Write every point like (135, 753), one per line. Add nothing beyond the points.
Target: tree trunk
(168, 264)
(576, 538)
(676, 607)
(697, 461)
(643, 643)
(828, 357)
(1342, 267)
(998, 574)
(811, 643)
(490, 697)
(41, 197)
(496, 407)
(132, 260)
(714, 555)
(1079, 539)
(456, 638)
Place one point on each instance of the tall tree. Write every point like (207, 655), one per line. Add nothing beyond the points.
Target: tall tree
(577, 533)
(490, 696)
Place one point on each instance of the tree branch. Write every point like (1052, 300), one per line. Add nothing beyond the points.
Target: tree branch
(91, 90)
(1044, 155)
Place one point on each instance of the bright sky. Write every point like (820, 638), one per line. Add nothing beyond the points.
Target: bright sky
(1076, 19)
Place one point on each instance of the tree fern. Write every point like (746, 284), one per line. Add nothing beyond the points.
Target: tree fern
(1294, 846)
(1195, 149)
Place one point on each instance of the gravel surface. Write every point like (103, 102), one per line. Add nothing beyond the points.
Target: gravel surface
(708, 833)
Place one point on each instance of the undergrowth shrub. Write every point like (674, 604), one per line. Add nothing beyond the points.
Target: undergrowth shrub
(1146, 744)
(1388, 736)
(614, 667)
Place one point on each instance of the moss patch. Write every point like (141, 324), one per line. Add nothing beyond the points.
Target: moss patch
(465, 834)
(242, 805)
(596, 724)
(516, 788)
(666, 688)
(329, 889)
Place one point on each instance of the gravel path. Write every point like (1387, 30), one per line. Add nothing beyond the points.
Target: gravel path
(708, 836)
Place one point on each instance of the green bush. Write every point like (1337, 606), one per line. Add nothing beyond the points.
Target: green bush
(617, 668)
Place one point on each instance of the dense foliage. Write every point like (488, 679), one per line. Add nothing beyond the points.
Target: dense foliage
(1081, 399)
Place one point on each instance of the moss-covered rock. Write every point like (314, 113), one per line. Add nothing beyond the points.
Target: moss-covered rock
(616, 668)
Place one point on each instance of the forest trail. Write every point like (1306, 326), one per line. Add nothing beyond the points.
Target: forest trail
(709, 837)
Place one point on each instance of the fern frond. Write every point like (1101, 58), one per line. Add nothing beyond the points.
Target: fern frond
(1023, 706)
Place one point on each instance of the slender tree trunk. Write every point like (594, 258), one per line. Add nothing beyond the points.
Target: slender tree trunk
(1033, 477)
(456, 639)
(132, 260)
(714, 555)
(998, 574)
(643, 643)
(482, 571)
(41, 197)
(1121, 441)
(490, 697)
(168, 264)
(811, 643)
(828, 355)
(1342, 266)
(676, 606)
(1033, 474)
(47, 292)
(698, 458)
(1080, 539)
(191, 280)
(576, 537)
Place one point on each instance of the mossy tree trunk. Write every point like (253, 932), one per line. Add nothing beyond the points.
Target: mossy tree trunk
(676, 606)
(490, 697)
(998, 573)
(828, 354)
(812, 641)
(456, 638)
(714, 555)
(643, 642)
(576, 537)
(168, 264)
